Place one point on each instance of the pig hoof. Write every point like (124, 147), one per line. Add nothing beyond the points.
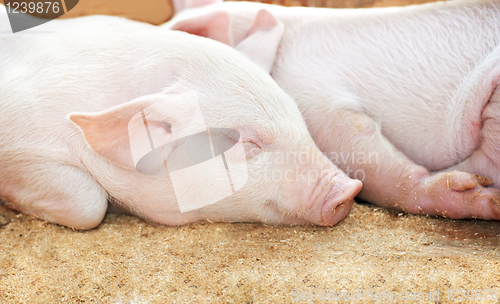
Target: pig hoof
(455, 195)
(461, 181)
(483, 181)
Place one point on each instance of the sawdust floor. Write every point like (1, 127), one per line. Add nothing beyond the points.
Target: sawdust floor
(126, 260)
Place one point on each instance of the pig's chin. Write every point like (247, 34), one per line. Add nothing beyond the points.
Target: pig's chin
(274, 214)
(334, 212)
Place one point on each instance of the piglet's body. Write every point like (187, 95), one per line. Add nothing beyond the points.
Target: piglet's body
(71, 89)
(416, 86)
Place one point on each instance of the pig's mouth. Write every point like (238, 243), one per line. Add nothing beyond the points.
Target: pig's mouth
(336, 199)
(336, 208)
(329, 203)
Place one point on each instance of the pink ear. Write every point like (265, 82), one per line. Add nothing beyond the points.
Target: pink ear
(112, 132)
(180, 5)
(215, 26)
(259, 43)
(262, 40)
(264, 20)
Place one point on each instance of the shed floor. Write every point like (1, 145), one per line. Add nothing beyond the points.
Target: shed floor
(126, 260)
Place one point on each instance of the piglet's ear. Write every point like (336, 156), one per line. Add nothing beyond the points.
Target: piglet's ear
(259, 42)
(262, 40)
(216, 26)
(124, 134)
(180, 5)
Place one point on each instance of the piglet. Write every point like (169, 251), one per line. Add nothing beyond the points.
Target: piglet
(405, 99)
(166, 125)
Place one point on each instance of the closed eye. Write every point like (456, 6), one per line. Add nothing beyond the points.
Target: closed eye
(251, 149)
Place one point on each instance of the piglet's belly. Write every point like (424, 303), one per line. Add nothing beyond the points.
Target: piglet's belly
(438, 134)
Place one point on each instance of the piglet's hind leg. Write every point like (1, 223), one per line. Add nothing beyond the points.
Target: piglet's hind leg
(61, 194)
(394, 181)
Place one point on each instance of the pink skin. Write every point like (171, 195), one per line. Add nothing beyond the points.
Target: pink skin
(449, 194)
(329, 200)
(363, 96)
(341, 192)
(459, 195)
(65, 153)
(398, 183)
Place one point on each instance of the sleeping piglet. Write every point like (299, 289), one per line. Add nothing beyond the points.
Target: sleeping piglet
(99, 109)
(405, 99)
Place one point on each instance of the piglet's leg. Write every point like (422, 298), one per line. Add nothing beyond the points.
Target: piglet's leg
(485, 160)
(355, 143)
(56, 193)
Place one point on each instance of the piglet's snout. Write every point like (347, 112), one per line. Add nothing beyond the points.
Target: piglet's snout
(337, 197)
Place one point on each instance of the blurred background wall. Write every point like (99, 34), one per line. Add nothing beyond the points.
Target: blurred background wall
(159, 11)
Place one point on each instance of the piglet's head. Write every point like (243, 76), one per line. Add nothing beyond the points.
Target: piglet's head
(224, 142)
(166, 134)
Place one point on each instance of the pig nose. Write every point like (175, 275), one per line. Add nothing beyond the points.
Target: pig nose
(339, 200)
